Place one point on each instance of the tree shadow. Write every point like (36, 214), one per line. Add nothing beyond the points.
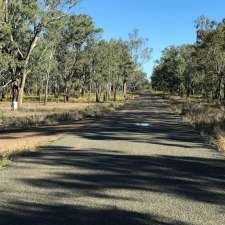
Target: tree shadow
(166, 128)
(190, 178)
(22, 213)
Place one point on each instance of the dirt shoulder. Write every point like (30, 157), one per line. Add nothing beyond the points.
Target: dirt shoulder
(14, 142)
(23, 132)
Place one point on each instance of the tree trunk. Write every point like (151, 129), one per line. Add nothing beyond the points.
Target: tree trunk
(22, 86)
(109, 89)
(15, 92)
(47, 79)
(97, 95)
(46, 89)
(115, 94)
(40, 91)
(217, 91)
(220, 90)
(125, 89)
(6, 10)
(82, 92)
(89, 92)
(66, 98)
(105, 96)
(224, 91)
(188, 92)
(24, 70)
(97, 98)
(66, 94)
(3, 95)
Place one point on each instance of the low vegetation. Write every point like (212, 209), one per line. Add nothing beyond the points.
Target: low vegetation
(38, 115)
(208, 118)
(197, 70)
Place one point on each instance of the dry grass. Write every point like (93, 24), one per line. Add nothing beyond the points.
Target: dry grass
(35, 115)
(15, 143)
(37, 108)
(206, 117)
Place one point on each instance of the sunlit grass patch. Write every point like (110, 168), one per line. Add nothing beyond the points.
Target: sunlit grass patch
(35, 114)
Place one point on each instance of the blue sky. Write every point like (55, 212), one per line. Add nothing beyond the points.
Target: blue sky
(163, 22)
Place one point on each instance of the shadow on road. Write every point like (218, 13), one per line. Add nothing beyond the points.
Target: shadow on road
(166, 128)
(65, 215)
(187, 177)
(195, 179)
(190, 178)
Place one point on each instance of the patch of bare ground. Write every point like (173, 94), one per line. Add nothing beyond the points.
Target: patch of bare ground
(23, 140)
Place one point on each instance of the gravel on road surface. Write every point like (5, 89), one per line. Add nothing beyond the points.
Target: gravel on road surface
(141, 165)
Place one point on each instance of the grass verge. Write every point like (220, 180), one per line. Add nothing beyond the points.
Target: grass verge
(18, 143)
(208, 118)
(13, 143)
(36, 116)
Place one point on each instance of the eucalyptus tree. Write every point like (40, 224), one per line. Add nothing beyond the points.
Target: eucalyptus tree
(138, 81)
(198, 68)
(139, 48)
(52, 50)
(110, 64)
(211, 57)
(176, 71)
(100, 53)
(76, 35)
(169, 69)
(126, 66)
(140, 52)
(189, 75)
(24, 22)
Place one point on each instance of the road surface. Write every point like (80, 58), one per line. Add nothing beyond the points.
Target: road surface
(137, 166)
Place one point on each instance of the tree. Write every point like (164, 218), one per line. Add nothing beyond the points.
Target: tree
(211, 57)
(140, 51)
(52, 51)
(169, 69)
(77, 34)
(24, 22)
(198, 68)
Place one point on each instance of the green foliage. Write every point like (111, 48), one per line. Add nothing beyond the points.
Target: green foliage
(53, 51)
(198, 68)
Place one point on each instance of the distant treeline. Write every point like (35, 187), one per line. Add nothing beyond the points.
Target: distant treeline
(195, 69)
(45, 49)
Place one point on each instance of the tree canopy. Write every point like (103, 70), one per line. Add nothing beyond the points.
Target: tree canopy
(48, 49)
(197, 68)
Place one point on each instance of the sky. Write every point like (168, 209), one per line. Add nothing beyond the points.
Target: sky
(163, 22)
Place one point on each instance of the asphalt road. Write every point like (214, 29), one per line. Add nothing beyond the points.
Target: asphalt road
(140, 165)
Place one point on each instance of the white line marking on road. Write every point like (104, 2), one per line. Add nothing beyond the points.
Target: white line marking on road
(143, 124)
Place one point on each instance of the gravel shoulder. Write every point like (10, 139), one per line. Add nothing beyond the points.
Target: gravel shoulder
(141, 165)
